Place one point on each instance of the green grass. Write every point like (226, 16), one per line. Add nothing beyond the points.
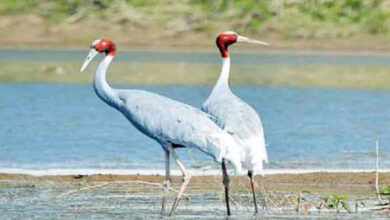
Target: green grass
(290, 19)
(201, 74)
(314, 16)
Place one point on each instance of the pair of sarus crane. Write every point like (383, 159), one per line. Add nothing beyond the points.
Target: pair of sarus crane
(226, 128)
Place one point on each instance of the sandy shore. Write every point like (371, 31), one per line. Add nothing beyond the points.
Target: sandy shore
(322, 182)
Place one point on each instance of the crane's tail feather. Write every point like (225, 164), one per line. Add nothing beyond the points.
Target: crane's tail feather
(255, 155)
(224, 146)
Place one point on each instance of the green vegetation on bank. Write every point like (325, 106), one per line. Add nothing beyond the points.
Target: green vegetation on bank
(303, 18)
(318, 23)
(327, 24)
(371, 77)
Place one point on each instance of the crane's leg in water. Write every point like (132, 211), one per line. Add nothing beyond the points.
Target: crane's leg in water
(250, 175)
(167, 180)
(225, 182)
(186, 180)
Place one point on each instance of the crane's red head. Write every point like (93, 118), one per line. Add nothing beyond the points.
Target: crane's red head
(225, 39)
(99, 46)
(104, 45)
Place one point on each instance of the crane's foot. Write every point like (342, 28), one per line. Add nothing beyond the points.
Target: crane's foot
(186, 180)
(166, 185)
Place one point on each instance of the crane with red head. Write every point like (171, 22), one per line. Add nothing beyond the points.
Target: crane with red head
(236, 117)
(170, 123)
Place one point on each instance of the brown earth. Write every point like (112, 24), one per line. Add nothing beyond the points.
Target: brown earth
(358, 184)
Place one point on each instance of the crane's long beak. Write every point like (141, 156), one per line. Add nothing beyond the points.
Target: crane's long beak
(92, 53)
(242, 39)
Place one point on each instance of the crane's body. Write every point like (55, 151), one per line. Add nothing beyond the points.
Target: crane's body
(235, 116)
(238, 119)
(167, 121)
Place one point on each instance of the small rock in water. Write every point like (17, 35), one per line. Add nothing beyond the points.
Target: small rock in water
(78, 176)
(58, 70)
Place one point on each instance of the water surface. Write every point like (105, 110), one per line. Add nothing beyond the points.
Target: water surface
(66, 126)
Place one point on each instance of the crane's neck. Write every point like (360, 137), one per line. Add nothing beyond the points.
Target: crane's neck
(223, 81)
(102, 89)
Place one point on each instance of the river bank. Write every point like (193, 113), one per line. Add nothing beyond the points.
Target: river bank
(139, 196)
(349, 183)
(298, 24)
(149, 67)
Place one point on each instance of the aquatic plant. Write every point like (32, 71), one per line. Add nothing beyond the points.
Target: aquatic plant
(334, 201)
(385, 190)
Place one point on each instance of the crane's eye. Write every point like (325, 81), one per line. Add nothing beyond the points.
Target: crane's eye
(95, 47)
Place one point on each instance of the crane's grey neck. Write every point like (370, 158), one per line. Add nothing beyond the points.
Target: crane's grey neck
(223, 81)
(102, 89)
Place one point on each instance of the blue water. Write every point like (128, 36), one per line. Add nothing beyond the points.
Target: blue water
(66, 126)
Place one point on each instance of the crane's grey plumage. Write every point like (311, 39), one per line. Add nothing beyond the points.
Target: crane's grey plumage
(239, 120)
(236, 117)
(167, 121)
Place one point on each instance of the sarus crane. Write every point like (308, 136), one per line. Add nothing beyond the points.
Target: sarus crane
(171, 123)
(236, 117)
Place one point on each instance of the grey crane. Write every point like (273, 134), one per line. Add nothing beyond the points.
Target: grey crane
(172, 124)
(236, 117)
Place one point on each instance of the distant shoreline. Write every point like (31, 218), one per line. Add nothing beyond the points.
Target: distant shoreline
(208, 49)
(290, 24)
(256, 68)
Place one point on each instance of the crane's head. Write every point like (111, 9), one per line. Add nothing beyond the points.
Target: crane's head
(227, 38)
(99, 46)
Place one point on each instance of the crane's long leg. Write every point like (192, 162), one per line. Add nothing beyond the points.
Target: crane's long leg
(167, 181)
(250, 175)
(186, 180)
(226, 182)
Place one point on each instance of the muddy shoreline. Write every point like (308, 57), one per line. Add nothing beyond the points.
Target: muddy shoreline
(346, 183)
(139, 196)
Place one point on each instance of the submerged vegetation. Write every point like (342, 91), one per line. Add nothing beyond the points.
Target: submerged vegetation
(345, 24)
(335, 201)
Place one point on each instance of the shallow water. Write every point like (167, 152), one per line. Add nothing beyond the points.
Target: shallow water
(66, 126)
(126, 200)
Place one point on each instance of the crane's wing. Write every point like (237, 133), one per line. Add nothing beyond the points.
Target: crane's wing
(243, 123)
(234, 116)
(169, 121)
